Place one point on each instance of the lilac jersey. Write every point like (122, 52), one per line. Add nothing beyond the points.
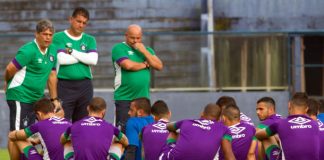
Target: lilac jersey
(50, 131)
(242, 137)
(244, 118)
(299, 137)
(91, 138)
(199, 139)
(270, 120)
(321, 138)
(154, 137)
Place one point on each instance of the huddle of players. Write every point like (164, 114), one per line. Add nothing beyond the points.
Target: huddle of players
(221, 132)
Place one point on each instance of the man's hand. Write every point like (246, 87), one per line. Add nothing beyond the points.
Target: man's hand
(58, 108)
(12, 135)
(140, 47)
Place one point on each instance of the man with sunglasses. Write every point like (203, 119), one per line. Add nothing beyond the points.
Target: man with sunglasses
(49, 129)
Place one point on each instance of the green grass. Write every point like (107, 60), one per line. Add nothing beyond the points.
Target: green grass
(4, 154)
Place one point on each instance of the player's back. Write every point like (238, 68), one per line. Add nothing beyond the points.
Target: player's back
(91, 138)
(299, 137)
(321, 138)
(154, 137)
(50, 131)
(242, 136)
(199, 139)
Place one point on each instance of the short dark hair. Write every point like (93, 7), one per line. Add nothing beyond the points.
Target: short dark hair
(43, 25)
(143, 103)
(299, 99)
(225, 100)
(232, 112)
(212, 111)
(267, 100)
(81, 11)
(97, 104)
(44, 105)
(313, 106)
(160, 108)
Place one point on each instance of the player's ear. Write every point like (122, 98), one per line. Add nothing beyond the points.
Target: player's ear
(88, 109)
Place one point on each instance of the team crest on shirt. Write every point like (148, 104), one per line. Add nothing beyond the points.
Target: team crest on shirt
(51, 58)
(91, 122)
(237, 132)
(83, 46)
(299, 123)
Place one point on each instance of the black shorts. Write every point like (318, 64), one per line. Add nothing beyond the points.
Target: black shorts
(121, 116)
(75, 96)
(21, 115)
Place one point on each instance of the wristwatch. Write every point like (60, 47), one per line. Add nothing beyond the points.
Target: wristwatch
(70, 50)
(54, 99)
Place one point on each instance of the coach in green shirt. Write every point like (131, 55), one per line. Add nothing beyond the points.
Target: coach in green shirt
(132, 62)
(76, 53)
(26, 76)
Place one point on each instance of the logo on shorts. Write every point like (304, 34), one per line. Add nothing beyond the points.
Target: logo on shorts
(33, 152)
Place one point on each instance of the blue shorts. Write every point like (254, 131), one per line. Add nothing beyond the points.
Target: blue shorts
(32, 154)
(273, 152)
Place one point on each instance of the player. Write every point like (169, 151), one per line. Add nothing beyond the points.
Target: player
(92, 136)
(266, 111)
(49, 128)
(243, 141)
(298, 133)
(140, 113)
(154, 135)
(227, 100)
(198, 139)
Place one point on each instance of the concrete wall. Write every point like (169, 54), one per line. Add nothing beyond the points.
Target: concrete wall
(254, 15)
(182, 104)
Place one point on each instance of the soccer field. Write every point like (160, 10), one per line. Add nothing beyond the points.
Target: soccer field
(4, 154)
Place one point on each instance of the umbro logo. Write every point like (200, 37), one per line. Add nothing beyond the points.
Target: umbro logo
(236, 130)
(299, 120)
(243, 117)
(204, 122)
(92, 120)
(130, 53)
(56, 119)
(160, 125)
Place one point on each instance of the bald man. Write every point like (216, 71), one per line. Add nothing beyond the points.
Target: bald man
(132, 63)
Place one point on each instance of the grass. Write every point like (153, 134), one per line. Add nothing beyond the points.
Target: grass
(4, 154)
